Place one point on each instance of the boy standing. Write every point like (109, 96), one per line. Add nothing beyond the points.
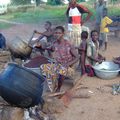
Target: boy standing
(99, 6)
(82, 51)
(104, 28)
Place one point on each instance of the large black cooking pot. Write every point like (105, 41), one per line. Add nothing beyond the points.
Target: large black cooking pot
(21, 87)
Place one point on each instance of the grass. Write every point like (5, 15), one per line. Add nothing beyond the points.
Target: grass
(44, 13)
(4, 25)
(114, 10)
(37, 15)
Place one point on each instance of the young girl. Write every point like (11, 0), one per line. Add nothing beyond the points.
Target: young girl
(82, 51)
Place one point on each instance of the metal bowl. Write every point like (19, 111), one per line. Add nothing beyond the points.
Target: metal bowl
(106, 70)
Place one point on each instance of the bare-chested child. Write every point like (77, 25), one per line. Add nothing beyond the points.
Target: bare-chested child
(82, 51)
(48, 34)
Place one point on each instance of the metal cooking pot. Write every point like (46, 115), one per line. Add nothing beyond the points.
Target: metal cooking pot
(19, 48)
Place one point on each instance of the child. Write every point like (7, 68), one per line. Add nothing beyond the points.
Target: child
(92, 55)
(104, 29)
(46, 38)
(82, 51)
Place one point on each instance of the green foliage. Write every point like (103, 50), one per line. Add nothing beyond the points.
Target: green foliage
(55, 14)
(112, 10)
(20, 2)
(38, 14)
(54, 2)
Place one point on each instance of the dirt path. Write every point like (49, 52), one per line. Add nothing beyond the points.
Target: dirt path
(101, 105)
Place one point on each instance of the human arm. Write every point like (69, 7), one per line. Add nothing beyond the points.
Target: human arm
(75, 55)
(82, 47)
(67, 11)
(116, 60)
(49, 48)
(45, 33)
(83, 10)
(95, 59)
(41, 33)
(108, 21)
(89, 14)
(67, 14)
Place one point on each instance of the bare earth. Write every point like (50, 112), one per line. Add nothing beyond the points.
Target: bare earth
(101, 105)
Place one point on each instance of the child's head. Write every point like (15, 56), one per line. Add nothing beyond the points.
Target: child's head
(84, 35)
(94, 35)
(105, 12)
(47, 25)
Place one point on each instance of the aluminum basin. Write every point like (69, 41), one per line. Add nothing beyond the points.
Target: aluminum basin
(106, 70)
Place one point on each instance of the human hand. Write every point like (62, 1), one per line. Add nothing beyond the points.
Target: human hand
(100, 61)
(35, 31)
(38, 45)
(65, 65)
(82, 22)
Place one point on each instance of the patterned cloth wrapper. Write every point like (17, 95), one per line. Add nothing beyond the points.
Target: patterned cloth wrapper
(52, 71)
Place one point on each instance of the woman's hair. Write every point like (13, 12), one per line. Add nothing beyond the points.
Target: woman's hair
(61, 28)
(84, 34)
(93, 32)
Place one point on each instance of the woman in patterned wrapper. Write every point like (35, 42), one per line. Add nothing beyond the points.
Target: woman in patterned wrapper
(65, 57)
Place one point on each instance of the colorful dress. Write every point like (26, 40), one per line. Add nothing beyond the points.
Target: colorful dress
(52, 71)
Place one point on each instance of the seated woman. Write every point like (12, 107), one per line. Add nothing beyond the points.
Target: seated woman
(65, 57)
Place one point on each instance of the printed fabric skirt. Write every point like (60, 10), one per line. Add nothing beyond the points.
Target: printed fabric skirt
(74, 33)
(52, 72)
